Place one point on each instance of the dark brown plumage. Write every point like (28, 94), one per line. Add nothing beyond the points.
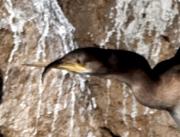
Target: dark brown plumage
(156, 88)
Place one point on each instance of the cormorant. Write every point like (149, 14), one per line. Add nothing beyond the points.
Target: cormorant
(157, 88)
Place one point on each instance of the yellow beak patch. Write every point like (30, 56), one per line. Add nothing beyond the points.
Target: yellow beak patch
(78, 68)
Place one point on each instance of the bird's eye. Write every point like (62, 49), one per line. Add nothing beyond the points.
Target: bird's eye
(78, 61)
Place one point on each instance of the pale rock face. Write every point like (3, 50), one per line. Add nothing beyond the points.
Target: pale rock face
(68, 105)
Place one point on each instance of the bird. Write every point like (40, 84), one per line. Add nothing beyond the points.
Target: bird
(154, 87)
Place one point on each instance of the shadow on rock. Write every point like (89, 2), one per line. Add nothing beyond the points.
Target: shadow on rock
(1, 88)
(1, 135)
(108, 130)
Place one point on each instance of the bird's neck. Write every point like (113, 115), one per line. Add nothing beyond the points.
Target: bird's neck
(143, 87)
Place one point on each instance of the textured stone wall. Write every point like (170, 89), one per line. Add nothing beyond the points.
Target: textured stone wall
(68, 105)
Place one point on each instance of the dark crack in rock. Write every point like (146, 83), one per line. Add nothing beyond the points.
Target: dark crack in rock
(1, 87)
(1, 135)
(110, 132)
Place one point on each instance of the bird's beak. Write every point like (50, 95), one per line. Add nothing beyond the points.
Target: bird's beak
(59, 64)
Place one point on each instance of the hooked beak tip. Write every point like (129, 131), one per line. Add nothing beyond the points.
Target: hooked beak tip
(46, 70)
(49, 67)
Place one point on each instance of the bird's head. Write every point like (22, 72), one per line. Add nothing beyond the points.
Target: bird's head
(82, 61)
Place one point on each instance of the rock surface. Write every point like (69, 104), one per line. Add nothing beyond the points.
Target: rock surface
(68, 105)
